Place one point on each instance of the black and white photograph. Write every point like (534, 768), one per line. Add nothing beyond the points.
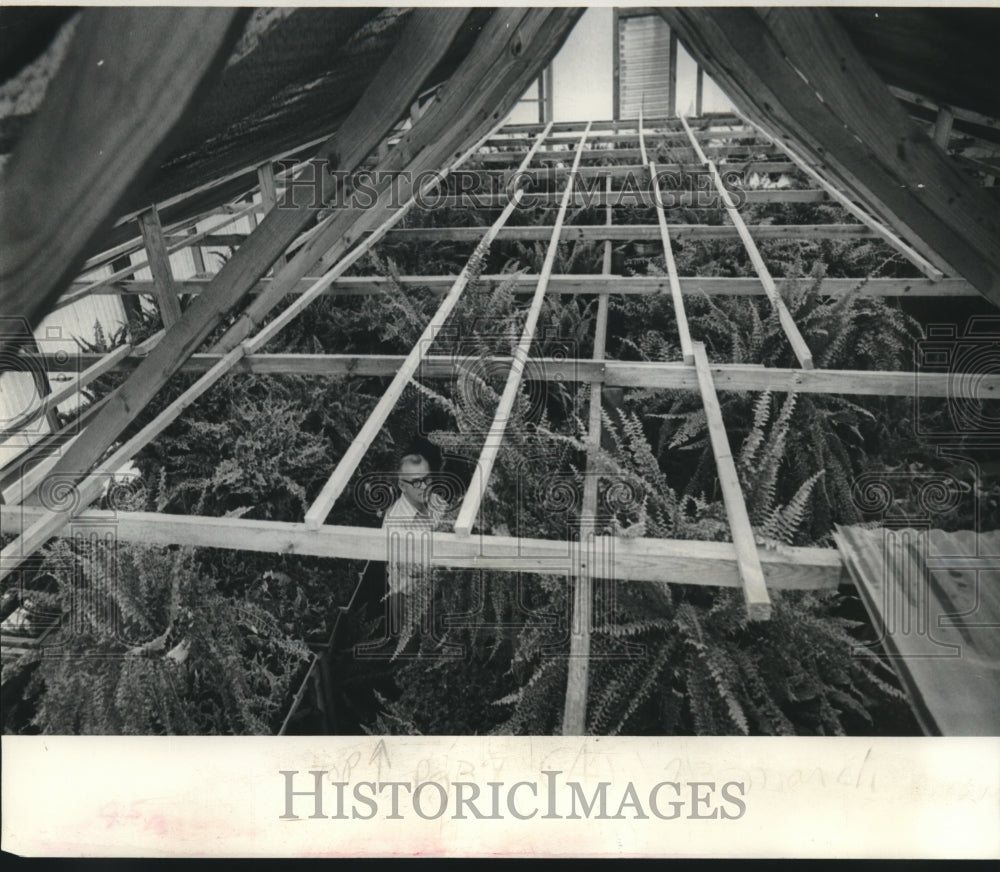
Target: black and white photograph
(410, 382)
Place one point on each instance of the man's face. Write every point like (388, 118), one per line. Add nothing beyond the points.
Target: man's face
(414, 480)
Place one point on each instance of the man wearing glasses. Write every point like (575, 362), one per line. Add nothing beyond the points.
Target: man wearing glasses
(410, 521)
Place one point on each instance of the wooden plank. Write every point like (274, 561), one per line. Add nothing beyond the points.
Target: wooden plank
(674, 560)
(269, 197)
(574, 721)
(754, 588)
(426, 38)
(77, 292)
(164, 289)
(143, 68)
(917, 259)
(510, 156)
(491, 447)
(788, 324)
(473, 105)
(627, 232)
(323, 503)
(595, 284)
(958, 112)
(683, 330)
(796, 72)
(666, 375)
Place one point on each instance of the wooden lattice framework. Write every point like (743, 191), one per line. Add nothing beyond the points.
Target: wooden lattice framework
(288, 253)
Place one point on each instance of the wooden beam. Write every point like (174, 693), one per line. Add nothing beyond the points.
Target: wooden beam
(675, 561)
(699, 84)
(751, 573)
(917, 259)
(80, 290)
(165, 291)
(605, 154)
(628, 232)
(595, 284)
(799, 346)
(473, 105)
(491, 447)
(796, 72)
(656, 375)
(143, 68)
(426, 38)
(269, 197)
(321, 505)
(683, 330)
(578, 668)
(958, 112)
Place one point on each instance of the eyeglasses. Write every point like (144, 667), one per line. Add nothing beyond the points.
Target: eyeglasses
(417, 482)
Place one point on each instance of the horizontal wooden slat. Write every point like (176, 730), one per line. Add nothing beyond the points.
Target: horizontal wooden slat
(615, 284)
(614, 373)
(655, 560)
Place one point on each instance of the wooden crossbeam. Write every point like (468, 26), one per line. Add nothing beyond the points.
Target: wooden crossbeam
(751, 573)
(788, 324)
(186, 241)
(627, 232)
(666, 375)
(165, 291)
(594, 284)
(578, 669)
(668, 256)
(426, 38)
(471, 107)
(506, 157)
(917, 259)
(340, 477)
(491, 447)
(630, 196)
(796, 72)
(679, 561)
(143, 68)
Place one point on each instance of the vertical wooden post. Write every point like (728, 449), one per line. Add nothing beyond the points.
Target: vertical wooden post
(165, 288)
(699, 83)
(269, 197)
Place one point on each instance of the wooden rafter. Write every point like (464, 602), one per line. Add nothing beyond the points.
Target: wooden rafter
(796, 73)
(424, 42)
(143, 68)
